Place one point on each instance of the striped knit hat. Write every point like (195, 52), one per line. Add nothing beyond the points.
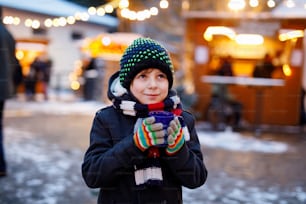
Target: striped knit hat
(144, 53)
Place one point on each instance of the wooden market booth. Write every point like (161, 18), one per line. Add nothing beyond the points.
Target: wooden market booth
(107, 49)
(27, 49)
(205, 45)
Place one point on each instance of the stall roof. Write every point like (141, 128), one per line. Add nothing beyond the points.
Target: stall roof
(297, 11)
(57, 8)
(284, 10)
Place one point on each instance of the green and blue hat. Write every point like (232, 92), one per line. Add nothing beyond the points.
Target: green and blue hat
(144, 53)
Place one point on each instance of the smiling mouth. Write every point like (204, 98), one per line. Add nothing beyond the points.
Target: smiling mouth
(152, 95)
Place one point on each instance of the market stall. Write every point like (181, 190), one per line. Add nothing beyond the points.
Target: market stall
(105, 50)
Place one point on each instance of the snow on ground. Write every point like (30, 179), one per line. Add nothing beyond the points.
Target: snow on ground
(40, 173)
(237, 142)
(50, 170)
(52, 175)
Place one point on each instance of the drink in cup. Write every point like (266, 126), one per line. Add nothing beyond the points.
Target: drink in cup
(165, 118)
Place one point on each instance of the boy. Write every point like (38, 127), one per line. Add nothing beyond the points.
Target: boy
(124, 158)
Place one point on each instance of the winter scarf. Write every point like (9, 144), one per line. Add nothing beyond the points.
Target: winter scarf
(148, 173)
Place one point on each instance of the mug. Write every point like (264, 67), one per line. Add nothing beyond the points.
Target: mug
(165, 118)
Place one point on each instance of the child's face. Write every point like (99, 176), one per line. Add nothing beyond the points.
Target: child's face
(150, 86)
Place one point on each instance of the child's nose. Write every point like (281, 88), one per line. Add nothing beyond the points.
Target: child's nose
(152, 82)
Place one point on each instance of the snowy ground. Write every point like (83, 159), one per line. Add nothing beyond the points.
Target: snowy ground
(52, 174)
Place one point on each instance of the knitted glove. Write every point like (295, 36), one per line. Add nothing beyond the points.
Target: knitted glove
(175, 137)
(149, 134)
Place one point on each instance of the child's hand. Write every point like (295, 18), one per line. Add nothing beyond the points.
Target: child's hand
(149, 134)
(175, 137)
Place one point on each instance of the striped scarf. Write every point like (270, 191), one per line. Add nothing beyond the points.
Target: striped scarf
(149, 173)
(132, 108)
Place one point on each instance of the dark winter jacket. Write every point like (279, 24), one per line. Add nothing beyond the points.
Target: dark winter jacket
(8, 63)
(110, 159)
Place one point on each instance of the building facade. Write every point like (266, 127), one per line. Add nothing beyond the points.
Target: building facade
(62, 44)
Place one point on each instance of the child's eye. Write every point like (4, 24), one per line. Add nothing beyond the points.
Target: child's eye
(162, 76)
(142, 76)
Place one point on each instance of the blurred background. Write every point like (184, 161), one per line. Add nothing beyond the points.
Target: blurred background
(199, 35)
(240, 69)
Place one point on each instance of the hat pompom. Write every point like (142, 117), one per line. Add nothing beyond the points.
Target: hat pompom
(144, 53)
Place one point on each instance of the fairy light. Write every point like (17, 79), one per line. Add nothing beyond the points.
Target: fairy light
(109, 8)
(75, 85)
(132, 15)
(10, 20)
(154, 11)
(92, 10)
(124, 4)
(271, 3)
(48, 23)
(70, 20)
(290, 3)
(28, 22)
(100, 11)
(236, 5)
(253, 3)
(164, 4)
(106, 41)
(142, 15)
(125, 12)
(35, 24)
(16, 21)
(55, 22)
(19, 54)
(77, 16)
(84, 16)
(62, 21)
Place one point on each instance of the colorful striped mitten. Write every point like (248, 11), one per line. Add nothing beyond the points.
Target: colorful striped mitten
(175, 137)
(149, 134)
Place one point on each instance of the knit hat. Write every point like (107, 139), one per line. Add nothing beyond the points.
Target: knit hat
(144, 53)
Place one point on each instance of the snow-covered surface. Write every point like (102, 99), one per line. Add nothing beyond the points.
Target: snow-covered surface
(237, 142)
(52, 175)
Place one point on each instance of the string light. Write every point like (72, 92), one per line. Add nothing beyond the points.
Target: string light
(92, 10)
(101, 12)
(63, 21)
(290, 3)
(253, 3)
(48, 22)
(142, 14)
(271, 3)
(125, 12)
(11, 20)
(236, 4)
(163, 4)
(124, 4)
(240, 4)
(109, 9)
